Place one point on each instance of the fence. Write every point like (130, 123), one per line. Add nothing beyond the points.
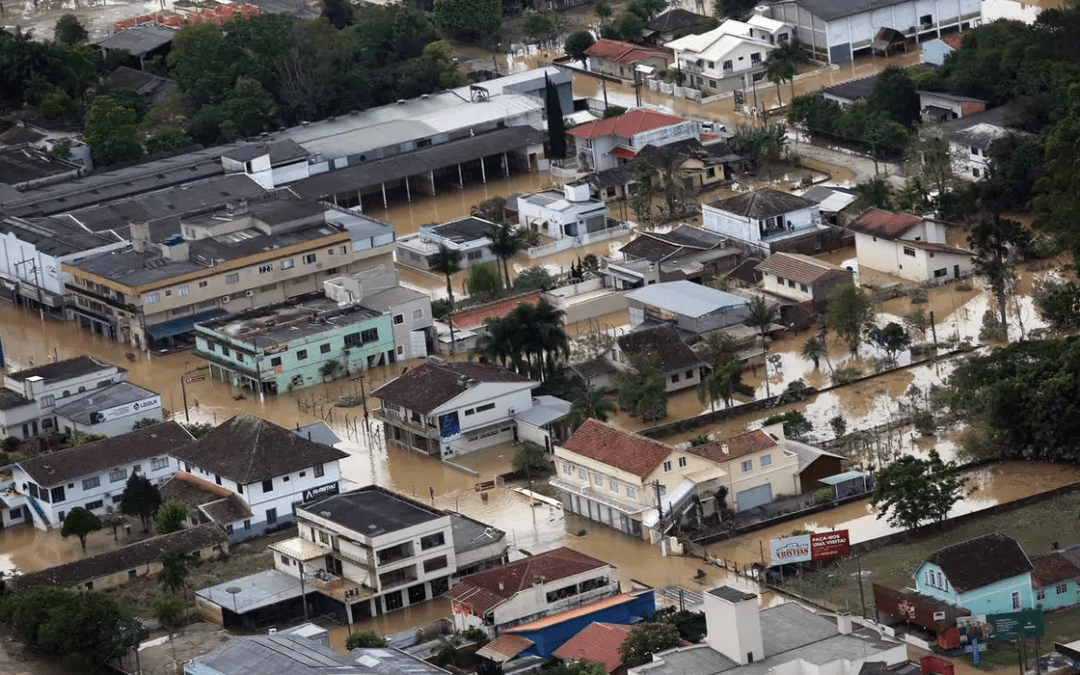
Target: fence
(567, 243)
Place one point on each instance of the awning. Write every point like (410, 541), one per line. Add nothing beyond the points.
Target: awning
(625, 153)
(505, 647)
(167, 329)
(844, 477)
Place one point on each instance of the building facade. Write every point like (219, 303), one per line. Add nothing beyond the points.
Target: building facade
(470, 236)
(620, 59)
(909, 247)
(731, 56)
(569, 213)
(692, 308)
(758, 467)
(608, 143)
(766, 221)
(986, 575)
(378, 289)
(802, 279)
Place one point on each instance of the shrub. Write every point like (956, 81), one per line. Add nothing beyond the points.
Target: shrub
(845, 375)
(823, 495)
(363, 638)
(917, 296)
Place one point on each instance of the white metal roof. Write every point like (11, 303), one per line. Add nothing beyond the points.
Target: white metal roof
(686, 298)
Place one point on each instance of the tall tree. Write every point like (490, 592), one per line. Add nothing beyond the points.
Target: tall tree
(172, 514)
(592, 403)
(642, 390)
(813, 349)
(80, 523)
(894, 93)
(175, 566)
(506, 240)
(850, 314)
(892, 339)
(111, 132)
(577, 43)
(913, 490)
(140, 498)
(468, 20)
(484, 280)
(721, 383)
(169, 612)
(448, 263)
(648, 638)
(994, 241)
(762, 315)
(555, 123)
(69, 31)
(783, 64)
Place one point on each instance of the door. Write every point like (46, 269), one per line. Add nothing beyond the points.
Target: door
(418, 344)
(754, 497)
(956, 271)
(1016, 600)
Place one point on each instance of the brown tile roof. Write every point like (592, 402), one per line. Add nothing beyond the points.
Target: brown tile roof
(620, 52)
(800, 268)
(506, 647)
(885, 224)
(598, 642)
(954, 40)
(661, 342)
(738, 446)
(474, 318)
(129, 557)
(86, 460)
(217, 503)
(486, 590)
(617, 448)
(626, 125)
(248, 450)
(1052, 569)
(433, 383)
(981, 561)
(764, 203)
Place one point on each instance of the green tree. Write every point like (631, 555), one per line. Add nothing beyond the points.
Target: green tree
(762, 315)
(112, 520)
(532, 458)
(839, 425)
(814, 349)
(648, 638)
(850, 314)
(169, 612)
(913, 490)
(493, 209)
(783, 63)
(538, 26)
(484, 280)
(642, 390)
(646, 9)
(140, 498)
(69, 31)
(468, 20)
(111, 132)
(1015, 166)
(721, 383)
(175, 567)
(892, 339)
(555, 124)
(199, 429)
(628, 26)
(592, 403)
(795, 424)
(894, 93)
(917, 322)
(994, 241)
(873, 193)
(930, 159)
(733, 9)
(171, 516)
(506, 241)
(646, 178)
(167, 139)
(448, 263)
(533, 279)
(602, 9)
(80, 523)
(577, 43)
(717, 349)
(1058, 303)
(338, 12)
(364, 639)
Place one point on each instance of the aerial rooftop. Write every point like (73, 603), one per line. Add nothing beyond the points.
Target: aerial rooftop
(288, 321)
(373, 511)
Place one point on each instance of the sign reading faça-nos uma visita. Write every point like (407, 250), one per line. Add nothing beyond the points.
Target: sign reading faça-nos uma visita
(808, 547)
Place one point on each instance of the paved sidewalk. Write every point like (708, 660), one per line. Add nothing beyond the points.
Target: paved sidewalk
(861, 166)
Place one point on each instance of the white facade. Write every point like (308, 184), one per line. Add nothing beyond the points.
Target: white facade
(115, 421)
(971, 162)
(571, 213)
(908, 258)
(740, 640)
(761, 234)
(22, 263)
(731, 56)
(410, 311)
(38, 416)
(598, 153)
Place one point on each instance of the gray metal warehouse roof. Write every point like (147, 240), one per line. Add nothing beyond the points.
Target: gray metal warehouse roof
(259, 590)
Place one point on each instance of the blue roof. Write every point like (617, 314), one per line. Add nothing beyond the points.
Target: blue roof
(166, 329)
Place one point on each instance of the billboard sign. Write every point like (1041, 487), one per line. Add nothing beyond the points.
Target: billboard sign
(109, 414)
(321, 491)
(810, 547)
(1015, 625)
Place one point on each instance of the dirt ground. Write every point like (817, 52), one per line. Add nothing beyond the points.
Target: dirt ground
(18, 660)
(191, 641)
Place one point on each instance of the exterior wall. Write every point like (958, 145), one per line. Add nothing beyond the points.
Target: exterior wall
(124, 577)
(749, 231)
(664, 135)
(39, 416)
(674, 380)
(1056, 596)
(532, 603)
(589, 217)
(782, 474)
(895, 257)
(409, 322)
(416, 250)
(786, 288)
(114, 427)
(721, 318)
(969, 162)
(49, 277)
(990, 599)
(624, 70)
(718, 78)
(822, 467)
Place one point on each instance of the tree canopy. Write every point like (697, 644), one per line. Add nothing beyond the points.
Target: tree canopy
(140, 498)
(850, 314)
(469, 20)
(80, 523)
(646, 639)
(577, 43)
(171, 515)
(111, 132)
(912, 490)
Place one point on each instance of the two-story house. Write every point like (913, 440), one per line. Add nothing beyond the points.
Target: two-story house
(607, 143)
(30, 396)
(620, 59)
(94, 475)
(692, 308)
(768, 221)
(731, 56)
(470, 236)
(570, 212)
(660, 345)
(1056, 579)
(619, 478)
(986, 575)
(445, 408)
(971, 136)
(907, 246)
(802, 278)
(268, 469)
(529, 589)
(758, 467)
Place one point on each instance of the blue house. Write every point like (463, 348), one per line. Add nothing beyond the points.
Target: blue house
(542, 637)
(1056, 578)
(986, 575)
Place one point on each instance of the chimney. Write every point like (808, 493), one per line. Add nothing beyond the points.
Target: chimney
(140, 235)
(843, 623)
(733, 624)
(237, 208)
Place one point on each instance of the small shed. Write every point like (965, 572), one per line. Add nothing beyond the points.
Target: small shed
(850, 483)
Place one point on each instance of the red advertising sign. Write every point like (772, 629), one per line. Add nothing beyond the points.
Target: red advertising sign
(826, 545)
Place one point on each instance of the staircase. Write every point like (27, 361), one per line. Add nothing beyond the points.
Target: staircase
(38, 514)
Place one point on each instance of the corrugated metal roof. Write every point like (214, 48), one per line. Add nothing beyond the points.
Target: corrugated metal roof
(686, 298)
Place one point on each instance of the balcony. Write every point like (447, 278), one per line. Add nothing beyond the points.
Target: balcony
(399, 421)
(612, 588)
(365, 561)
(627, 507)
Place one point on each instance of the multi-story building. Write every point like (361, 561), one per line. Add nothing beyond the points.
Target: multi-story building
(802, 278)
(470, 236)
(538, 586)
(250, 255)
(374, 551)
(769, 221)
(907, 246)
(267, 468)
(608, 143)
(379, 289)
(692, 308)
(620, 59)
(757, 467)
(731, 56)
(571, 212)
(92, 476)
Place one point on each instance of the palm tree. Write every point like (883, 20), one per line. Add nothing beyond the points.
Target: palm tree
(447, 262)
(791, 54)
(814, 349)
(761, 317)
(778, 70)
(505, 242)
(543, 336)
(593, 403)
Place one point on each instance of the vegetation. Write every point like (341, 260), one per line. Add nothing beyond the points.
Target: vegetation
(484, 280)
(814, 350)
(721, 383)
(69, 31)
(171, 516)
(892, 339)
(531, 458)
(506, 240)
(140, 498)
(111, 132)
(363, 638)
(533, 279)
(531, 340)
(796, 425)
(783, 63)
(913, 490)
(199, 429)
(577, 43)
(175, 566)
(169, 612)
(646, 639)
(839, 425)
(851, 313)
(448, 263)
(80, 523)
(592, 403)
(556, 126)
(994, 241)
(691, 625)
(762, 315)
(468, 20)
(642, 390)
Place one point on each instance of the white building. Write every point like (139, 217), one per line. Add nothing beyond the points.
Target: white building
(758, 466)
(766, 221)
(268, 469)
(92, 476)
(607, 143)
(839, 32)
(692, 308)
(971, 136)
(110, 411)
(528, 589)
(470, 236)
(568, 213)
(446, 408)
(908, 246)
(801, 278)
(270, 164)
(30, 397)
(379, 289)
(731, 56)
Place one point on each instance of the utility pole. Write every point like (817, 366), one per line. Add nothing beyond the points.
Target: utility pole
(659, 504)
(37, 282)
(862, 595)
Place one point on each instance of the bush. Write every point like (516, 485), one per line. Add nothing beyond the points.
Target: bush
(364, 638)
(698, 441)
(918, 296)
(991, 327)
(823, 495)
(845, 375)
(440, 308)
(795, 423)
(532, 458)
(924, 422)
(474, 634)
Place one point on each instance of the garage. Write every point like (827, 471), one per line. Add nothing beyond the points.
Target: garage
(754, 497)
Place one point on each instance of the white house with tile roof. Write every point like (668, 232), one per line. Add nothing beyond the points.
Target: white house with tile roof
(908, 246)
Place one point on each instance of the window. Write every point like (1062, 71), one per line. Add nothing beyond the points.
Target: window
(682, 462)
(667, 466)
(325, 348)
(232, 278)
(435, 564)
(240, 488)
(48, 401)
(675, 378)
(974, 152)
(319, 471)
(266, 269)
(780, 280)
(247, 524)
(975, 172)
(203, 284)
(1016, 600)
(271, 516)
(369, 335)
(631, 492)
(229, 529)
(268, 485)
(432, 540)
(909, 251)
(210, 347)
(287, 264)
(117, 475)
(598, 479)
(727, 66)
(485, 407)
(926, 19)
(301, 355)
(1061, 589)
(747, 466)
(944, 271)
(766, 460)
(582, 475)
(417, 314)
(689, 374)
(91, 483)
(475, 255)
(285, 560)
(566, 468)
(352, 340)
(182, 290)
(755, 57)
(239, 357)
(613, 485)
(1040, 594)
(400, 350)
(47, 423)
(309, 259)
(217, 478)
(399, 319)
(790, 283)
(151, 298)
(803, 288)
(158, 463)
(96, 504)
(58, 495)
(224, 351)
(275, 362)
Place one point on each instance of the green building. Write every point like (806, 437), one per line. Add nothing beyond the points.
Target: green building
(290, 346)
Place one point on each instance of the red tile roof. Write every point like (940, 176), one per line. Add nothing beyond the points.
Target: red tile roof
(738, 446)
(954, 40)
(620, 52)
(625, 153)
(598, 642)
(881, 223)
(577, 612)
(939, 248)
(482, 592)
(625, 125)
(800, 268)
(505, 647)
(1051, 569)
(617, 448)
(474, 318)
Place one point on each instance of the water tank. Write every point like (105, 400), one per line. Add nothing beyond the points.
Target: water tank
(576, 192)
